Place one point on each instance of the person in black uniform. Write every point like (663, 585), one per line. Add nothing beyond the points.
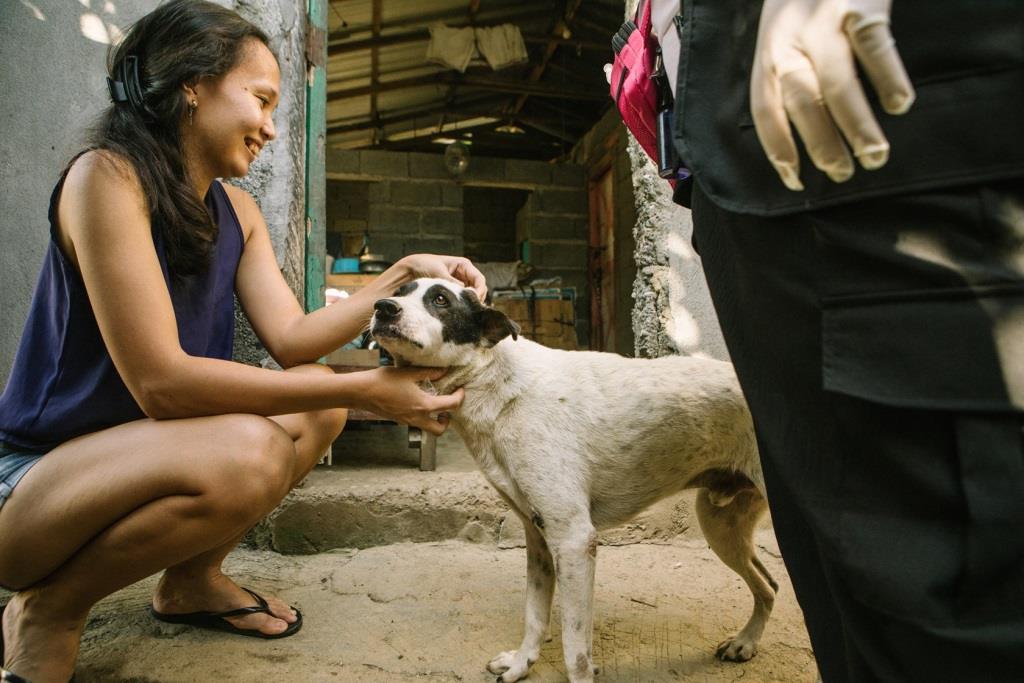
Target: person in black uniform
(875, 315)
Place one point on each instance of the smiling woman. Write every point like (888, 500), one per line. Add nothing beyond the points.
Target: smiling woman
(171, 60)
(129, 441)
(240, 102)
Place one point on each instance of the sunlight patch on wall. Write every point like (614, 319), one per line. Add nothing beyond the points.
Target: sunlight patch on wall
(36, 12)
(679, 246)
(93, 28)
(686, 331)
(97, 30)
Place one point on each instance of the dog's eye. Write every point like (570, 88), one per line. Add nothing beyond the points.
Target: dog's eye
(440, 300)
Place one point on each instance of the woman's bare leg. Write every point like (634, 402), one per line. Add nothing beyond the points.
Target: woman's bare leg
(108, 509)
(198, 583)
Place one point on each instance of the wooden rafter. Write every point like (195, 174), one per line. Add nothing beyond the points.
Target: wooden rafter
(344, 47)
(450, 17)
(564, 113)
(523, 88)
(551, 125)
(375, 60)
(409, 115)
(481, 138)
(604, 15)
(559, 31)
(390, 93)
(592, 25)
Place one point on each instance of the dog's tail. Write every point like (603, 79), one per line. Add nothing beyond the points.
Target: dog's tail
(764, 572)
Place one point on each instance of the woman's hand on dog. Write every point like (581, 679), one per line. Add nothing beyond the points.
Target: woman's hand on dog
(395, 393)
(455, 268)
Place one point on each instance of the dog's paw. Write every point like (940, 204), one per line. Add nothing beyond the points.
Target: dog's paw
(510, 665)
(736, 649)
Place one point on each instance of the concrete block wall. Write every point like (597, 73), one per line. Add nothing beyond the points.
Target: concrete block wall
(414, 204)
(553, 222)
(348, 207)
(489, 222)
(400, 217)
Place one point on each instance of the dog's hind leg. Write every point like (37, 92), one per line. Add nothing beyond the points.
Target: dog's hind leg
(540, 586)
(729, 530)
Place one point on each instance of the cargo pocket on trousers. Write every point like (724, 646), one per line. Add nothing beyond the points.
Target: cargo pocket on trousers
(959, 352)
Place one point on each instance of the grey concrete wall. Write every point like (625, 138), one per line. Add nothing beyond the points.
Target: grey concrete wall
(52, 56)
(52, 69)
(400, 217)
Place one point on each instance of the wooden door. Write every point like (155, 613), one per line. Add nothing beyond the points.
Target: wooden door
(602, 263)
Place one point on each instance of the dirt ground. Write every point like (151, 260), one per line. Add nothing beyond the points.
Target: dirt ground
(437, 612)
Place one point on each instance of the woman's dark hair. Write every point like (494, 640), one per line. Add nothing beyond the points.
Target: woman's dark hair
(178, 43)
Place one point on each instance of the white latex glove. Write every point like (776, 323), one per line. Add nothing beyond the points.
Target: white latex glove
(804, 72)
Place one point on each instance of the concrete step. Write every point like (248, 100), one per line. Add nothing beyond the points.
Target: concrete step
(374, 494)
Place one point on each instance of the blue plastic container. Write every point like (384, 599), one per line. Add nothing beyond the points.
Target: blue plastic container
(346, 265)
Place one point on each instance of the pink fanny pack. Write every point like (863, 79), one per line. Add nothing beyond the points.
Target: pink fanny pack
(641, 91)
(634, 91)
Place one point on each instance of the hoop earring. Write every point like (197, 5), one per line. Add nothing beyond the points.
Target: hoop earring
(191, 110)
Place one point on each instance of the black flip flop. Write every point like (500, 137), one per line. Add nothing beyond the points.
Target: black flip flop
(218, 621)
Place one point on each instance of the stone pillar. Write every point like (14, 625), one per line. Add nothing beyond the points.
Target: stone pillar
(672, 312)
(277, 179)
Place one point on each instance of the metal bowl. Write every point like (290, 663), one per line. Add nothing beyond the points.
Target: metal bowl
(373, 263)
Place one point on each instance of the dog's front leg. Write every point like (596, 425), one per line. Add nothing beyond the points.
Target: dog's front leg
(540, 586)
(575, 553)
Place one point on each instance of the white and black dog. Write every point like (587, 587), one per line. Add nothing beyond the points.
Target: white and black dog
(577, 441)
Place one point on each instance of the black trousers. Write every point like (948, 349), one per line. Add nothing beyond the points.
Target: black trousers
(881, 348)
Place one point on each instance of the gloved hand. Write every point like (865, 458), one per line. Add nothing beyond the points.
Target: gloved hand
(804, 72)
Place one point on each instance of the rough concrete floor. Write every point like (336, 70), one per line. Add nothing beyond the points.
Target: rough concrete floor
(438, 611)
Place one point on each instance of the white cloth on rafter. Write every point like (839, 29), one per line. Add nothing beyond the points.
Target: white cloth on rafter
(501, 46)
(452, 47)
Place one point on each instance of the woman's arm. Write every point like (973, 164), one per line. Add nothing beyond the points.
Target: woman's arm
(103, 226)
(293, 337)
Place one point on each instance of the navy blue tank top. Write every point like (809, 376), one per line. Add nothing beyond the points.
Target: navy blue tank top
(64, 383)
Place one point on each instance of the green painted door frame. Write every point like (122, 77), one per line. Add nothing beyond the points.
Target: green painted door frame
(316, 137)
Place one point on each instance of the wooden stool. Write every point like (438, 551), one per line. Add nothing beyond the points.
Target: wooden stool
(357, 360)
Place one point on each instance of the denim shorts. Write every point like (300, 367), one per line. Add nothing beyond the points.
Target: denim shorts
(14, 464)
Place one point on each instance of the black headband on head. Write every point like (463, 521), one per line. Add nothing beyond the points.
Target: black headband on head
(128, 87)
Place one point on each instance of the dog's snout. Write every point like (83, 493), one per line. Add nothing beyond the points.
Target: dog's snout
(386, 308)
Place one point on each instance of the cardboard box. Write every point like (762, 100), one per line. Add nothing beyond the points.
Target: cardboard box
(354, 358)
(551, 322)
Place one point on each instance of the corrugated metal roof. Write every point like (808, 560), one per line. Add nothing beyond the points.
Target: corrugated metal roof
(382, 92)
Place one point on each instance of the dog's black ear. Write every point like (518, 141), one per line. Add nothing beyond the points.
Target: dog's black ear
(495, 325)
